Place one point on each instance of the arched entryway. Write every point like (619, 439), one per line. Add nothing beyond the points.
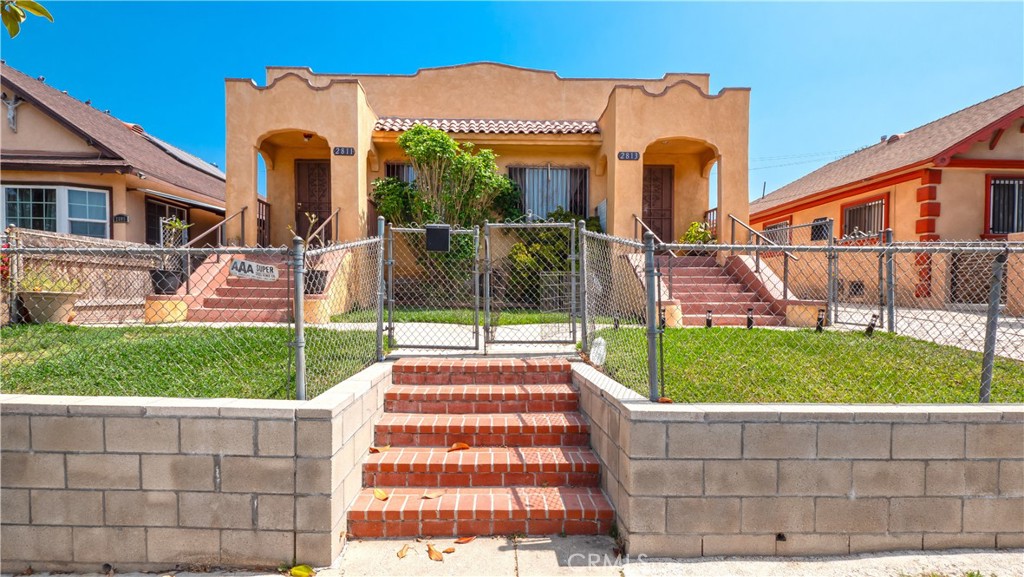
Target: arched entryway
(298, 183)
(676, 188)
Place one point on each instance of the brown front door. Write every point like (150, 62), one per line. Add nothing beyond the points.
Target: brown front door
(312, 196)
(657, 200)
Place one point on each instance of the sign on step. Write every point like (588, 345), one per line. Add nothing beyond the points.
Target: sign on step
(253, 270)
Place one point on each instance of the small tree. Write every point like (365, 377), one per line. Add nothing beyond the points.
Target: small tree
(453, 184)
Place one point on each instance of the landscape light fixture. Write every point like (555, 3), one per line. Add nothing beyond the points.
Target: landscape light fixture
(750, 318)
(871, 326)
(707, 320)
(820, 326)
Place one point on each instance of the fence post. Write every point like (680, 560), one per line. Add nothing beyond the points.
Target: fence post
(650, 274)
(487, 282)
(991, 326)
(391, 285)
(833, 266)
(476, 287)
(890, 283)
(381, 293)
(298, 263)
(572, 281)
(583, 287)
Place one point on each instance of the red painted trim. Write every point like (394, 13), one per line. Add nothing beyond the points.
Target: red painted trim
(995, 139)
(932, 176)
(946, 156)
(885, 210)
(927, 193)
(996, 164)
(923, 225)
(787, 219)
(830, 195)
(931, 208)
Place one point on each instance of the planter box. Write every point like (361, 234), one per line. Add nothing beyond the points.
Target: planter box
(49, 307)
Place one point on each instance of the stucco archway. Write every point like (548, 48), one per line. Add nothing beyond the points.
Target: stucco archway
(297, 180)
(676, 189)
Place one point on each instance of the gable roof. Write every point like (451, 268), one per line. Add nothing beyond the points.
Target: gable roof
(923, 144)
(490, 126)
(115, 140)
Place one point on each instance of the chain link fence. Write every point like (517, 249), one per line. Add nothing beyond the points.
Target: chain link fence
(864, 321)
(530, 283)
(98, 317)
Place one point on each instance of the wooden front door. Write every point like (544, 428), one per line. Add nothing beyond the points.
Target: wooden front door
(312, 196)
(657, 200)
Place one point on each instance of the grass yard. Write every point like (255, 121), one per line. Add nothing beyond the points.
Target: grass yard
(167, 361)
(736, 365)
(454, 317)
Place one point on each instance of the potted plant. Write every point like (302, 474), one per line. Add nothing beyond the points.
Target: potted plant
(168, 278)
(316, 278)
(698, 233)
(49, 297)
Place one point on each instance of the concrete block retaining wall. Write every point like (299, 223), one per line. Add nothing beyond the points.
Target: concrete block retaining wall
(157, 483)
(706, 480)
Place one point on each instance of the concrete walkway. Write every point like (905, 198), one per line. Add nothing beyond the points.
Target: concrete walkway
(593, 556)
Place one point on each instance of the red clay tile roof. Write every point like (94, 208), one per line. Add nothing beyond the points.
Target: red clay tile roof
(116, 141)
(490, 126)
(919, 145)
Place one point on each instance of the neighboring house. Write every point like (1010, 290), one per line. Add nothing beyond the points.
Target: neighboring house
(67, 167)
(611, 147)
(960, 177)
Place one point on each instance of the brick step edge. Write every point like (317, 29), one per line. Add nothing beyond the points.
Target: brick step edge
(463, 366)
(393, 438)
(477, 527)
(482, 378)
(466, 407)
(429, 481)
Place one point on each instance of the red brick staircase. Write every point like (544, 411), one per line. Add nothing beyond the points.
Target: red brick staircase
(246, 300)
(529, 470)
(699, 284)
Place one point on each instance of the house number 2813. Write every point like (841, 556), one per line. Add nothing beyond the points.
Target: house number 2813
(629, 155)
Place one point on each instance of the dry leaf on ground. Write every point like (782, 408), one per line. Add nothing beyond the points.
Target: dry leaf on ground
(302, 571)
(433, 495)
(449, 550)
(434, 554)
(464, 540)
(458, 447)
(379, 449)
(664, 400)
(403, 551)
(380, 495)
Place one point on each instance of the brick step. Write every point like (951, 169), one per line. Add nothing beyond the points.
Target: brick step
(481, 399)
(734, 320)
(737, 308)
(206, 315)
(437, 371)
(482, 467)
(482, 430)
(481, 511)
(681, 261)
(679, 288)
(715, 297)
(699, 280)
(255, 300)
(246, 292)
(282, 282)
(693, 271)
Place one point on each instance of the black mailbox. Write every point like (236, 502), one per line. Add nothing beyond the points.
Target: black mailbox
(439, 238)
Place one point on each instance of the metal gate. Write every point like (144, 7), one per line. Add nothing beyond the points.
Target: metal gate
(530, 283)
(433, 298)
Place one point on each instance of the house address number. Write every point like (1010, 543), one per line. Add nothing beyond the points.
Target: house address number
(344, 151)
(629, 155)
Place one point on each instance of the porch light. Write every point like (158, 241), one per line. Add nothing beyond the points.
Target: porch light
(306, 137)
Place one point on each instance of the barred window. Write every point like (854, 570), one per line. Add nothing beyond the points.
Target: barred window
(544, 189)
(819, 229)
(155, 211)
(867, 218)
(402, 171)
(1007, 204)
(777, 233)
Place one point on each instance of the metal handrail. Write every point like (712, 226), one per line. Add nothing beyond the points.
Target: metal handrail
(220, 226)
(732, 239)
(323, 224)
(637, 220)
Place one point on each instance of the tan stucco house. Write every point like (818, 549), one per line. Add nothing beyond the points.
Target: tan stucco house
(960, 177)
(67, 167)
(608, 147)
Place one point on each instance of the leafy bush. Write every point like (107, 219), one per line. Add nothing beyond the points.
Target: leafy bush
(698, 233)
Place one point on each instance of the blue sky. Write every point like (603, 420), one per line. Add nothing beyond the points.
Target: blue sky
(826, 78)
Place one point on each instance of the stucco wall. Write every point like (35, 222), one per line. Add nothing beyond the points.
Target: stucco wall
(158, 484)
(38, 132)
(708, 480)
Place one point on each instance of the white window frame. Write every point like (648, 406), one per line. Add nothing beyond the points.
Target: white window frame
(63, 220)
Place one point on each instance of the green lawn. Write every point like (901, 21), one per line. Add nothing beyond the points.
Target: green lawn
(736, 365)
(167, 361)
(459, 316)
